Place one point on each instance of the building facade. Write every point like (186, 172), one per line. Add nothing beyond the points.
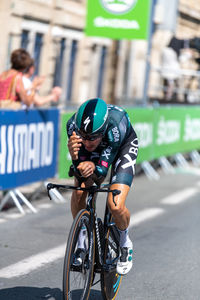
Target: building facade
(181, 20)
(85, 67)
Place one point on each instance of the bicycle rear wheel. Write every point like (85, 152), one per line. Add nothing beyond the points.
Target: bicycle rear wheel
(77, 280)
(110, 279)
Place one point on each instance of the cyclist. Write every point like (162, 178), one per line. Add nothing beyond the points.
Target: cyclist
(101, 135)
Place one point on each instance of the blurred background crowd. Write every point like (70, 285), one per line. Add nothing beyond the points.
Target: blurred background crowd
(66, 66)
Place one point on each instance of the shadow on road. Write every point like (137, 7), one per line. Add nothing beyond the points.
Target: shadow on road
(34, 293)
(30, 293)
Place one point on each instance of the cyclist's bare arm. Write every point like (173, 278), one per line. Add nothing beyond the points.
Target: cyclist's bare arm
(74, 145)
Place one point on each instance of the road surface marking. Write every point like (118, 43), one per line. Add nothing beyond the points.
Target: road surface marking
(32, 263)
(145, 215)
(180, 196)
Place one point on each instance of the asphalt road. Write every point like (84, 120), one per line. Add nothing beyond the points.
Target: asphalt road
(165, 229)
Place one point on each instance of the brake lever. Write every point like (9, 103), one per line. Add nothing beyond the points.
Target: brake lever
(49, 187)
(49, 195)
(115, 193)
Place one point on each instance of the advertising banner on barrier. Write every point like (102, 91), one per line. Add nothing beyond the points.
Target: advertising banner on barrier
(177, 130)
(165, 131)
(162, 131)
(28, 146)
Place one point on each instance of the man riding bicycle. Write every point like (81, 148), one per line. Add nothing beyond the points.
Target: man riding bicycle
(101, 135)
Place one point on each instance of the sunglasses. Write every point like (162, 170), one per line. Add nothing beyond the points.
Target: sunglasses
(89, 137)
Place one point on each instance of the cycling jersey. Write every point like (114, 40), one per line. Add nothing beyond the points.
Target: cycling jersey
(119, 147)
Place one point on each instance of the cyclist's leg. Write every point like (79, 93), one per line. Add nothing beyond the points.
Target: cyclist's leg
(121, 217)
(77, 199)
(119, 211)
(123, 173)
(78, 202)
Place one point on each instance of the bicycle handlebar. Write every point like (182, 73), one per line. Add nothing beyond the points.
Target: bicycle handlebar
(92, 189)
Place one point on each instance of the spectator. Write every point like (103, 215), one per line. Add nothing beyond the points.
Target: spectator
(171, 69)
(12, 91)
(35, 84)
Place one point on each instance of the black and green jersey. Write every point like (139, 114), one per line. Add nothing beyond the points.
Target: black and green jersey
(118, 131)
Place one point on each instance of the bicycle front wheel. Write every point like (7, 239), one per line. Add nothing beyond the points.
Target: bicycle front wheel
(110, 279)
(77, 280)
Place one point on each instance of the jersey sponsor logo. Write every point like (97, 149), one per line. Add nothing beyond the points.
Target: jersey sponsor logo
(130, 163)
(99, 170)
(115, 132)
(134, 148)
(107, 152)
(71, 128)
(86, 123)
(104, 163)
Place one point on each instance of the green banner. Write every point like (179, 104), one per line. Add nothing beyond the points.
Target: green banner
(118, 19)
(166, 131)
(163, 131)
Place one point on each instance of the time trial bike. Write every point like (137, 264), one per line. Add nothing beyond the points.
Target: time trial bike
(101, 244)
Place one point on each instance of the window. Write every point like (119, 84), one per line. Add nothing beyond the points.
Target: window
(37, 51)
(59, 64)
(101, 71)
(25, 39)
(72, 60)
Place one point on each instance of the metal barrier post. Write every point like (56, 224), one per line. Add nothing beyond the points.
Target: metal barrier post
(195, 157)
(166, 165)
(14, 195)
(181, 161)
(149, 171)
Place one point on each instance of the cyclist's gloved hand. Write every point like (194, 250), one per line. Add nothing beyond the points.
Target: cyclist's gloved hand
(74, 145)
(86, 168)
(96, 179)
(88, 180)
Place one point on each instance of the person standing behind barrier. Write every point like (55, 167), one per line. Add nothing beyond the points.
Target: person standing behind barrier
(35, 84)
(171, 70)
(171, 67)
(12, 91)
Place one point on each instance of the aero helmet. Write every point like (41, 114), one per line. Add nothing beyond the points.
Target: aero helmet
(91, 117)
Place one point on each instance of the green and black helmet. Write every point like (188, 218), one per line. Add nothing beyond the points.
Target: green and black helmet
(91, 118)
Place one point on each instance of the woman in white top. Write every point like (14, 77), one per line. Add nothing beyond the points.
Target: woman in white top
(35, 85)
